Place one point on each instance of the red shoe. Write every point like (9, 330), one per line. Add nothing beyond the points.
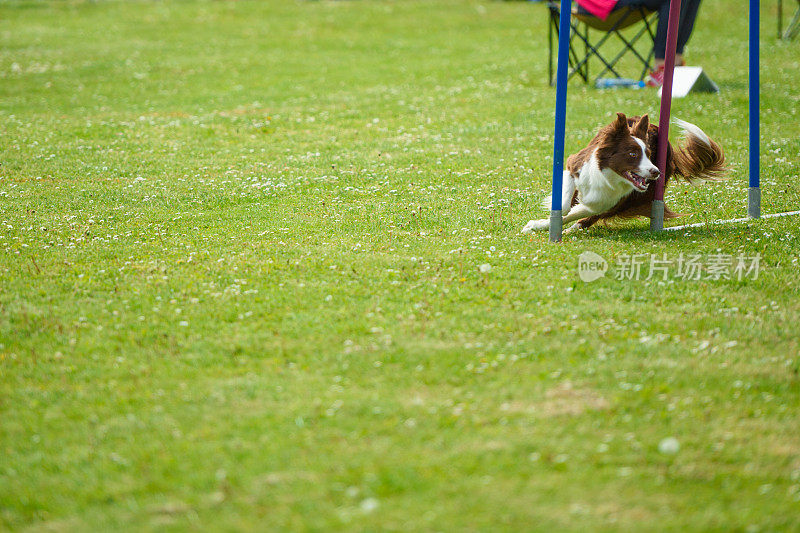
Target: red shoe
(656, 77)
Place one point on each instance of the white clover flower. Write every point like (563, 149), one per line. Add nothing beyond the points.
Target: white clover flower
(368, 505)
(669, 446)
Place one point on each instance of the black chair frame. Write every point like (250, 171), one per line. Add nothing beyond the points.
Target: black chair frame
(794, 25)
(579, 34)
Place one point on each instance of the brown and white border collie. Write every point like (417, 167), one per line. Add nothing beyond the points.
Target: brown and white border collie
(611, 177)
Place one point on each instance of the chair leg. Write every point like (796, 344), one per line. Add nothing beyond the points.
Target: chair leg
(550, 49)
(585, 74)
(629, 45)
(647, 67)
(594, 51)
(580, 31)
(576, 64)
(794, 26)
(648, 24)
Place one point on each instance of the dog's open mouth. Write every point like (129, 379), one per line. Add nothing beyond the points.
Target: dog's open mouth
(639, 183)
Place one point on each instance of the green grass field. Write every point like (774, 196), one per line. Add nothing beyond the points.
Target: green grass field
(241, 284)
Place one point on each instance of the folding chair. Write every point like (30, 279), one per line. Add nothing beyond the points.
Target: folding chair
(583, 47)
(794, 25)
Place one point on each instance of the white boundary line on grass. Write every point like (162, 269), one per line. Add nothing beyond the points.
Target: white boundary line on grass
(700, 224)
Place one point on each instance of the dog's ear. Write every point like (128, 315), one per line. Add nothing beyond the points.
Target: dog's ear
(619, 128)
(621, 122)
(640, 128)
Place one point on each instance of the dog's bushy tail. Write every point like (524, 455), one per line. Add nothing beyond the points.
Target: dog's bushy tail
(698, 157)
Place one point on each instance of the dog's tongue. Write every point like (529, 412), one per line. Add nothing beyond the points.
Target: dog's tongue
(639, 181)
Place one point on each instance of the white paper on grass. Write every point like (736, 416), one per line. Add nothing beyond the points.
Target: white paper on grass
(689, 79)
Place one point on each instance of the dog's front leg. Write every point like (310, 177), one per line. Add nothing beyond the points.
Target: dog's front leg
(585, 223)
(567, 192)
(577, 212)
(534, 225)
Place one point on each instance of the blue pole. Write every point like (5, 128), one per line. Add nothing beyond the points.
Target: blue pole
(754, 193)
(561, 119)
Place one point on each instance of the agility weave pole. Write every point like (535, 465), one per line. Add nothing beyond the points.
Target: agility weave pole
(754, 192)
(657, 208)
(657, 217)
(556, 221)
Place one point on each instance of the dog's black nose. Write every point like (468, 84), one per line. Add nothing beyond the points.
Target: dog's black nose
(655, 174)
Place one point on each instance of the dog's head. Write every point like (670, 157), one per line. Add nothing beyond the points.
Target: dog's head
(624, 150)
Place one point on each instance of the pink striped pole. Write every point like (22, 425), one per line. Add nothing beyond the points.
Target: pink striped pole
(657, 209)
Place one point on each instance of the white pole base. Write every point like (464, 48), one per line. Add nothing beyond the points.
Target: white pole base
(754, 202)
(556, 225)
(657, 215)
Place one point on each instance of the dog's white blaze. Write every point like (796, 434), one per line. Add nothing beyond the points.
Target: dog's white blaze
(645, 165)
(692, 130)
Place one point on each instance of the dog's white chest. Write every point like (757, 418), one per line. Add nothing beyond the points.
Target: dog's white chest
(597, 189)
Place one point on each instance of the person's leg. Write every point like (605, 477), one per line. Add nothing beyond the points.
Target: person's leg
(662, 8)
(660, 42)
(688, 15)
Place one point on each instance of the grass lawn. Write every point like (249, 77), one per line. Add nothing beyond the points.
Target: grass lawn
(241, 286)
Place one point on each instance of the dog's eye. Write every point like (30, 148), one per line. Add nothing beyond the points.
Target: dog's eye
(632, 154)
